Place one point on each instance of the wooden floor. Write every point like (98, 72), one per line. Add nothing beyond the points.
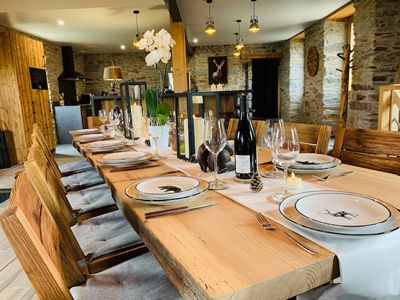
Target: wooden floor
(14, 284)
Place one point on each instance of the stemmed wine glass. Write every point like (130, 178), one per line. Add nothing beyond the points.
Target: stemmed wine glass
(270, 125)
(154, 132)
(286, 147)
(103, 118)
(215, 140)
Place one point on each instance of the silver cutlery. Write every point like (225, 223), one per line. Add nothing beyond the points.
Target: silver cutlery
(174, 211)
(327, 177)
(265, 224)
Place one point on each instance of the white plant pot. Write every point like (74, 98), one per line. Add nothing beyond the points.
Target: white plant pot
(163, 132)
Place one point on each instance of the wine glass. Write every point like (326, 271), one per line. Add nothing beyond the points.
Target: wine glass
(103, 118)
(270, 125)
(286, 147)
(215, 140)
(154, 132)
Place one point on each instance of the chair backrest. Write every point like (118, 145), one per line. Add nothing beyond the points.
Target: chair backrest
(38, 138)
(39, 246)
(258, 125)
(373, 149)
(94, 122)
(313, 138)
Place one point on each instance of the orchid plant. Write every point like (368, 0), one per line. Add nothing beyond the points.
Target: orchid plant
(159, 46)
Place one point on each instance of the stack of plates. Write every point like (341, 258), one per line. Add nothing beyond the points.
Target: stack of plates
(84, 131)
(103, 146)
(90, 137)
(340, 213)
(124, 159)
(314, 163)
(166, 190)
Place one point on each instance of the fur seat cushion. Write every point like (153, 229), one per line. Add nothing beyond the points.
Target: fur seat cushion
(138, 278)
(81, 179)
(75, 167)
(90, 199)
(105, 233)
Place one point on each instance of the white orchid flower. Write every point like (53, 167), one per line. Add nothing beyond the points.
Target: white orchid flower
(152, 58)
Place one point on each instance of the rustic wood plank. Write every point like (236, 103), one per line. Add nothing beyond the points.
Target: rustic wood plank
(32, 255)
(273, 55)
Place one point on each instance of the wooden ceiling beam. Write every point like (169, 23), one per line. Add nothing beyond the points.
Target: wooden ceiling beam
(274, 55)
(176, 17)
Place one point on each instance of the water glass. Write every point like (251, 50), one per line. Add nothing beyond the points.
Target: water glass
(215, 141)
(285, 147)
(270, 125)
(103, 117)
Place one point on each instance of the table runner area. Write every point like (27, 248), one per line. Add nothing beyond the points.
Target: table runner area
(369, 266)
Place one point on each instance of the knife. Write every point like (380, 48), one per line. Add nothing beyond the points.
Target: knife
(174, 211)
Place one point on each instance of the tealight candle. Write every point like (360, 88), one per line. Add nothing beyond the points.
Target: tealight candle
(294, 183)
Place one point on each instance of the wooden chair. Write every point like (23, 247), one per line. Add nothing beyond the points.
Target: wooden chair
(64, 169)
(76, 181)
(79, 205)
(94, 122)
(91, 232)
(313, 138)
(47, 259)
(258, 125)
(372, 149)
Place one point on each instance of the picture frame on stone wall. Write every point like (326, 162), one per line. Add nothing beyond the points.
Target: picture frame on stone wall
(218, 70)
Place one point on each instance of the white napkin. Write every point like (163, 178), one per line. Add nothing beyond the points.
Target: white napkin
(369, 266)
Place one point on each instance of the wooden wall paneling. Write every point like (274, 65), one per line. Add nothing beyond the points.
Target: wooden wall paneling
(21, 106)
(10, 108)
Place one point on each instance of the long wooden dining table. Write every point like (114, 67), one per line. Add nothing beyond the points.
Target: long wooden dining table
(221, 252)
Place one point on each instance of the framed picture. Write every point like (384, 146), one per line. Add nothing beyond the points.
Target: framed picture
(38, 78)
(217, 70)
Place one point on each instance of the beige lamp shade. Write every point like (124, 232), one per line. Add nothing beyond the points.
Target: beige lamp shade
(112, 73)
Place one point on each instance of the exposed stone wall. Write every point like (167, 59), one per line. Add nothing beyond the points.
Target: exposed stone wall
(292, 81)
(334, 39)
(79, 65)
(376, 58)
(313, 86)
(132, 64)
(198, 64)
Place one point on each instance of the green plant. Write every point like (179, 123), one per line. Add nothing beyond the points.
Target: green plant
(155, 109)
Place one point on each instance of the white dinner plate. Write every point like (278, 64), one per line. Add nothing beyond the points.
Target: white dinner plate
(133, 193)
(166, 187)
(288, 210)
(128, 163)
(104, 144)
(126, 156)
(84, 131)
(342, 209)
(313, 161)
(308, 170)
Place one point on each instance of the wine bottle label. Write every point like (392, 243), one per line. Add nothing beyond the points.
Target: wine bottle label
(242, 164)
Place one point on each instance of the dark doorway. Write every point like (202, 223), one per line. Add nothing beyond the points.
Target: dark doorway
(265, 88)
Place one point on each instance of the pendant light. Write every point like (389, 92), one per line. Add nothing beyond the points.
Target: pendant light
(236, 52)
(239, 43)
(137, 36)
(254, 20)
(210, 27)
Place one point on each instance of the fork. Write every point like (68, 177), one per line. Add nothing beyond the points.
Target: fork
(327, 177)
(265, 224)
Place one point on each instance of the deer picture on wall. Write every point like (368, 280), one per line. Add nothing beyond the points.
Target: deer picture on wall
(218, 70)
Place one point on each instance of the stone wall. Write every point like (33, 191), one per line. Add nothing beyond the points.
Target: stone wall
(376, 58)
(198, 64)
(291, 92)
(132, 64)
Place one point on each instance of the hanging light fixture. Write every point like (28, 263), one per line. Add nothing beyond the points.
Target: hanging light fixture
(236, 52)
(210, 27)
(137, 36)
(239, 43)
(254, 20)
